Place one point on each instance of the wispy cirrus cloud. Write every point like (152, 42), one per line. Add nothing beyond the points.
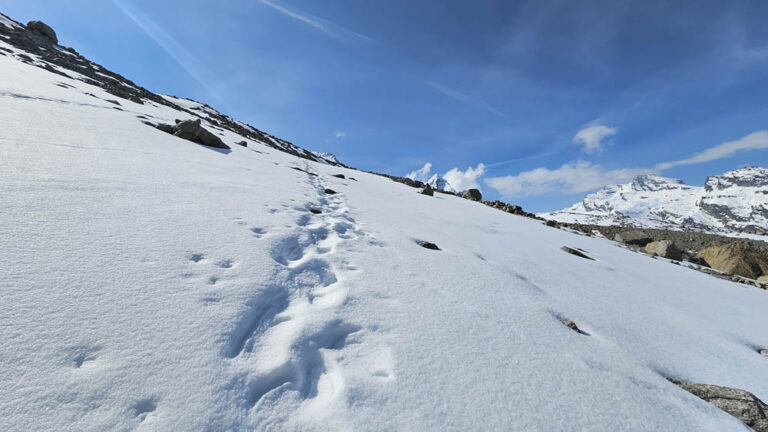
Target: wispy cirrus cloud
(463, 97)
(754, 141)
(329, 28)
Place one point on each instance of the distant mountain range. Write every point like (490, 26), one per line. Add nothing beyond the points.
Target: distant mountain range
(438, 183)
(736, 201)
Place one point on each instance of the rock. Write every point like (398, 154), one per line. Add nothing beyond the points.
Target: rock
(738, 258)
(329, 191)
(551, 223)
(427, 245)
(576, 252)
(472, 194)
(739, 403)
(192, 131)
(315, 211)
(763, 279)
(571, 325)
(763, 352)
(664, 249)
(637, 238)
(243, 143)
(427, 191)
(43, 29)
(341, 176)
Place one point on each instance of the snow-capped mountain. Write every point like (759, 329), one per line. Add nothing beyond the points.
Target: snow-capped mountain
(736, 201)
(439, 183)
(153, 283)
(328, 158)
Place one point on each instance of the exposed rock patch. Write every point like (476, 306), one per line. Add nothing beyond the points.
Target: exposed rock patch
(427, 191)
(43, 29)
(192, 131)
(739, 403)
(427, 245)
(576, 252)
(329, 191)
(571, 325)
(636, 238)
(341, 176)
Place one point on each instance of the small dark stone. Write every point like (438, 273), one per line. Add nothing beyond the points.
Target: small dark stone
(571, 325)
(315, 211)
(341, 176)
(576, 252)
(329, 191)
(353, 179)
(551, 223)
(427, 245)
(112, 101)
(427, 191)
(243, 143)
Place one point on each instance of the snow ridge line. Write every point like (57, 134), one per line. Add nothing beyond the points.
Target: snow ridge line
(290, 340)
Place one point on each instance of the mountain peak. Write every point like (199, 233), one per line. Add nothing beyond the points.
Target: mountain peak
(439, 183)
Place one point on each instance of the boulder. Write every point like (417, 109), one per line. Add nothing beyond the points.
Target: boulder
(763, 279)
(329, 191)
(738, 258)
(427, 245)
(665, 249)
(427, 191)
(243, 143)
(341, 176)
(637, 238)
(763, 352)
(43, 29)
(739, 403)
(472, 194)
(192, 131)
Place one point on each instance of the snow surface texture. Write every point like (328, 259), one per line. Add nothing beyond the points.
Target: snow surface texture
(732, 202)
(154, 284)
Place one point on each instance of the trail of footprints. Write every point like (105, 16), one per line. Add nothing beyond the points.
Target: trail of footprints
(290, 326)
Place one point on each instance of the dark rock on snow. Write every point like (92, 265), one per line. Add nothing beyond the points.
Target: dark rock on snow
(315, 211)
(341, 176)
(243, 143)
(192, 131)
(43, 29)
(427, 191)
(472, 194)
(427, 245)
(571, 325)
(329, 191)
(739, 403)
(665, 249)
(576, 252)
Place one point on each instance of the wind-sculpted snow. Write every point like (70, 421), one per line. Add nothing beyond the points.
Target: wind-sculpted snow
(151, 283)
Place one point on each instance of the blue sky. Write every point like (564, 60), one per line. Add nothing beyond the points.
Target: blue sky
(535, 102)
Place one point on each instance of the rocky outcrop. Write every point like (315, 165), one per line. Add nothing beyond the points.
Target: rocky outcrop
(44, 30)
(192, 131)
(665, 249)
(737, 258)
(243, 143)
(739, 403)
(635, 238)
(472, 194)
(427, 191)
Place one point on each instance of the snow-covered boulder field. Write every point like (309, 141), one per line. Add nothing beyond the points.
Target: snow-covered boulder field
(151, 283)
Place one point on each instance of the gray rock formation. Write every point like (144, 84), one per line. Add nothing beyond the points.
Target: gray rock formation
(739, 403)
(427, 245)
(43, 29)
(637, 238)
(472, 194)
(427, 191)
(576, 252)
(192, 131)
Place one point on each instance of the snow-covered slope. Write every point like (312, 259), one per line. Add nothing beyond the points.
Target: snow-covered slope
(153, 284)
(736, 201)
(438, 183)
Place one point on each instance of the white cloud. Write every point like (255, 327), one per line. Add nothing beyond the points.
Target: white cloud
(591, 137)
(325, 26)
(421, 174)
(463, 180)
(573, 177)
(339, 134)
(754, 141)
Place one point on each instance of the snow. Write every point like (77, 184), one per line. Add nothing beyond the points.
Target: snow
(4, 20)
(154, 284)
(439, 183)
(730, 202)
